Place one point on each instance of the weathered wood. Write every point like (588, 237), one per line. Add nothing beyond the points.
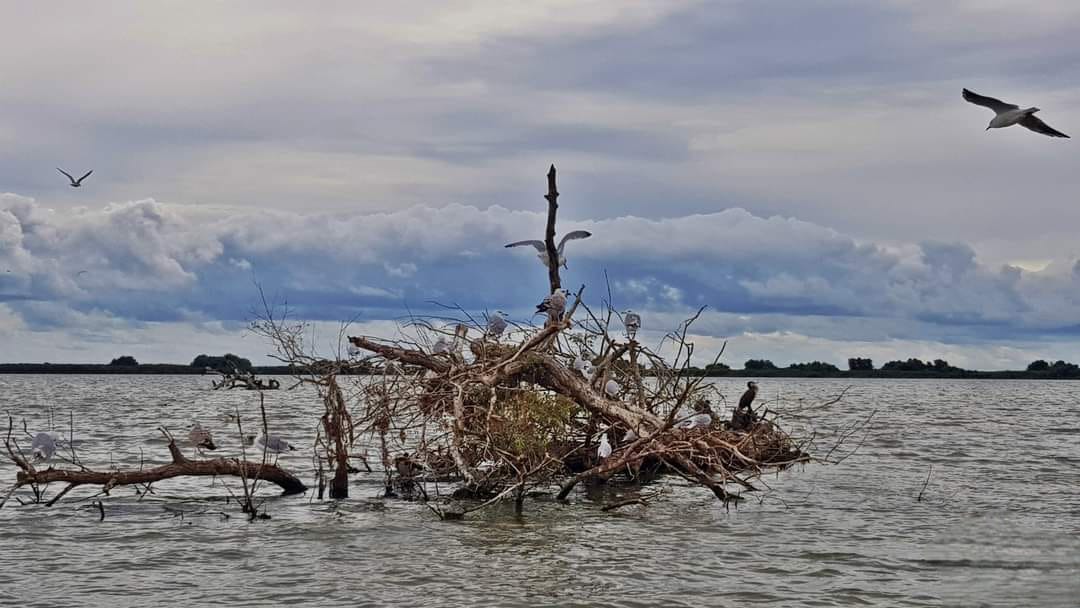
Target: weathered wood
(549, 235)
(180, 466)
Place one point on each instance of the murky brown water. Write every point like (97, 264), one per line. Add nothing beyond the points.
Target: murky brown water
(999, 524)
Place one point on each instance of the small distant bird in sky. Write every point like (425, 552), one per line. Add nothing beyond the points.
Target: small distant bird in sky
(632, 321)
(75, 183)
(542, 249)
(1008, 114)
(553, 305)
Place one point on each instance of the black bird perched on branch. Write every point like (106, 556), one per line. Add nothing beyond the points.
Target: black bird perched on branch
(75, 183)
(743, 417)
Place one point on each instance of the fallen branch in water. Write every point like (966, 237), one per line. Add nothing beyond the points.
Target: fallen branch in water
(180, 466)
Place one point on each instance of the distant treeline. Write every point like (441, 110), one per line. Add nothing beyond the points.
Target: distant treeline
(202, 364)
(857, 368)
(864, 368)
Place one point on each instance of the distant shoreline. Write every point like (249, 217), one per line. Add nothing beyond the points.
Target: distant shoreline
(149, 369)
(146, 369)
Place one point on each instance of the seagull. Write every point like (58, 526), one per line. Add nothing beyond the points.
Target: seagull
(701, 420)
(604, 449)
(632, 322)
(541, 248)
(612, 388)
(75, 183)
(497, 324)
(553, 305)
(582, 365)
(441, 346)
(43, 446)
(273, 444)
(201, 438)
(1008, 114)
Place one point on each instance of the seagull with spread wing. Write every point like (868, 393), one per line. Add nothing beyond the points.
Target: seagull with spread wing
(75, 183)
(1008, 114)
(542, 249)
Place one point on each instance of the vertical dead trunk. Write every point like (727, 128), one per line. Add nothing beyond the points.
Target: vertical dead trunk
(339, 432)
(549, 235)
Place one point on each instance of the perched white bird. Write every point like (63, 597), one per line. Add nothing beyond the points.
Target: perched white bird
(604, 449)
(43, 446)
(541, 248)
(697, 421)
(75, 183)
(582, 365)
(441, 346)
(554, 305)
(496, 323)
(632, 322)
(1008, 114)
(612, 388)
(273, 444)
(201, 438)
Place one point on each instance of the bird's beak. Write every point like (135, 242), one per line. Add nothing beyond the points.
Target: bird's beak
(987, 128)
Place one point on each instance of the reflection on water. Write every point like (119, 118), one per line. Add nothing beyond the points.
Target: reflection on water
(999, 523)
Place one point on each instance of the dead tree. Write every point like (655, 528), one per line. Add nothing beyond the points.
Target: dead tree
(491, 417)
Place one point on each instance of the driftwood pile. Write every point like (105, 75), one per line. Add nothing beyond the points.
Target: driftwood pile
(244, 380)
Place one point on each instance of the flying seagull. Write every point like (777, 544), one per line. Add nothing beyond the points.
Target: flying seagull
(75, 183)
(1008, 114)
(542, 249)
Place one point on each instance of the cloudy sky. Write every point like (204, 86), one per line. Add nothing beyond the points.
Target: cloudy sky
(808, 170)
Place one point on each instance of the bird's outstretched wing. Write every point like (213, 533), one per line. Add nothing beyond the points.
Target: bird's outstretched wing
(539, 245)
(996, 105)
(1032, 122)
(68, 175)
(79, 181)
(569, 236)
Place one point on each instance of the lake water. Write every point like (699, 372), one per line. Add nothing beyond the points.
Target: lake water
(999, 523)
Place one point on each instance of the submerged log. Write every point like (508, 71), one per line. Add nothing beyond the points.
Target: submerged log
(180, 466)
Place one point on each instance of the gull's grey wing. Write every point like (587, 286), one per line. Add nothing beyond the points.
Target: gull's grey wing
(1032, 122)
(539, 245)
(569, 236)
(85, 176)
(996, 105)
(68, 175)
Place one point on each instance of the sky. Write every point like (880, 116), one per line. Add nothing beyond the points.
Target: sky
(806, 170)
